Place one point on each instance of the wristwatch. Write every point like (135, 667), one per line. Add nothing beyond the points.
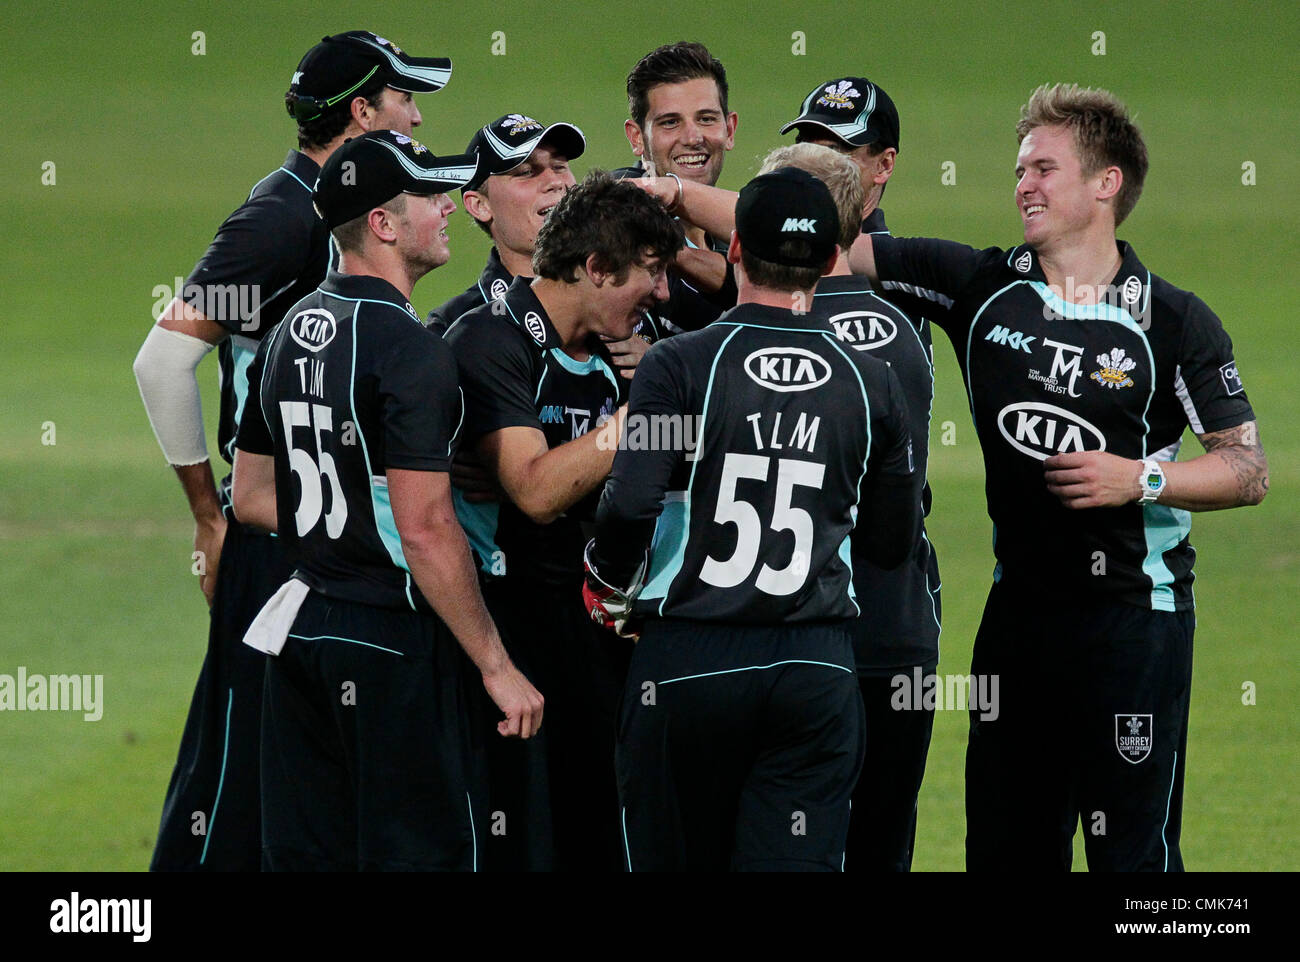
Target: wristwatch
(1152, 481)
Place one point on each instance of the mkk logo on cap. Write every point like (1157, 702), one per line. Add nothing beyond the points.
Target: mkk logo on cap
(788, 217)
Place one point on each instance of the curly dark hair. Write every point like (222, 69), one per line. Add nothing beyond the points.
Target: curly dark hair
(615, 220)
(672, 63)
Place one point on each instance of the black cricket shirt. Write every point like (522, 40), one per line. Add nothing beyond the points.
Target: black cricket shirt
(351, 383)
(801, 447)
(1046, 376)
(515, 373)
(900, 605)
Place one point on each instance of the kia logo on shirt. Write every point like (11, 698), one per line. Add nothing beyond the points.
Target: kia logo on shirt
(864, 330)
(787, 369)
(533, 321)
(1042, 430)
(313, 328)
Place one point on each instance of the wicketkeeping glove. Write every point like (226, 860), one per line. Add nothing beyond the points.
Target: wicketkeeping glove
(608, 606)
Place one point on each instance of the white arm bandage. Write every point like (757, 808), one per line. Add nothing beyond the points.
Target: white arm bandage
(164, 369)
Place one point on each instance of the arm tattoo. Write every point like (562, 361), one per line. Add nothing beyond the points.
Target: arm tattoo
(1239, 447)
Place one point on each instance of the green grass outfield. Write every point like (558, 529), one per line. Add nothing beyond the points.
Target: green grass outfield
(153, 145)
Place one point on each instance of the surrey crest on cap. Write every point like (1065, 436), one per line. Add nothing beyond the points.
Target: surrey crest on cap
(853, 109)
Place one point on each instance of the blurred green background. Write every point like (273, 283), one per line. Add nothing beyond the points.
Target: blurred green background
(154, 144)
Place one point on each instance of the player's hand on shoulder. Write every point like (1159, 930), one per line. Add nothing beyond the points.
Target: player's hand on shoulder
(209, 536)
(518, 700)
(1093, 479)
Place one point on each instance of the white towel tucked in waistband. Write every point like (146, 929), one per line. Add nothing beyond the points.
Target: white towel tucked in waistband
(270, 628)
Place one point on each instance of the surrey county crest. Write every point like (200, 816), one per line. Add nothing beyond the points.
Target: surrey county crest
(1134, 737)
(1114, 369)
(839, 95)
(518, 123)
(416, 146)
(389, 44)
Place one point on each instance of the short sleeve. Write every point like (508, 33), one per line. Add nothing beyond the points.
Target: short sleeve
(420, 403)
(259, 250)
(931, 273)
(1211, 388)
(497, 372)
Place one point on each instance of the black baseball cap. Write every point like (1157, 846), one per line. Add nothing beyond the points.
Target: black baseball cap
(340, 65)
(853, 109)
(508, 141)
(384, 163)
(788, 204)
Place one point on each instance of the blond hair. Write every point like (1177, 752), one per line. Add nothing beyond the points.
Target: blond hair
(841, 176)
(1104, 136)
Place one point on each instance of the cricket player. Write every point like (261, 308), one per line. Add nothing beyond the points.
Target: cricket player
(266, 256)
(524, 169)
(1083, 370)
(353, 414)
(741, 728)
(857, 119)
(680, 128)
(543, 406)
(897, 633)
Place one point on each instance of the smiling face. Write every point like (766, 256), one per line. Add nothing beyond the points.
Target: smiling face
(1057, 202)
(620, 306)
(685, 132)
(516, 203)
